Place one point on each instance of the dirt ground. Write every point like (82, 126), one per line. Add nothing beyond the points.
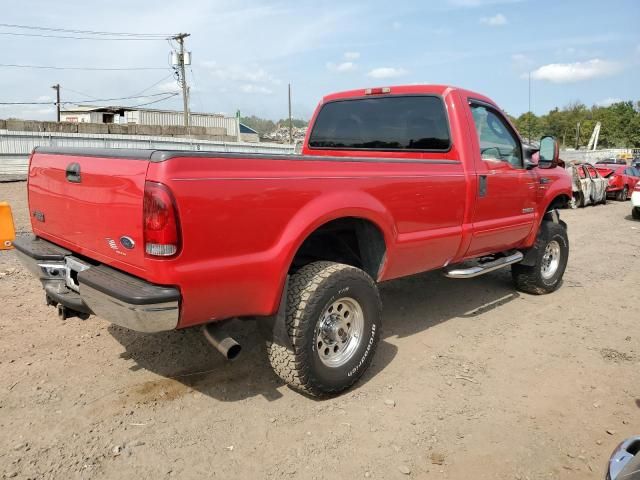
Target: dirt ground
(471, 380)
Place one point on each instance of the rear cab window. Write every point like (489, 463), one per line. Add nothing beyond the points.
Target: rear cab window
(390, 123)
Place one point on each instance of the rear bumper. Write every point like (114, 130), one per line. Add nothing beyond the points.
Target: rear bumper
(635, 199)
(97, 289)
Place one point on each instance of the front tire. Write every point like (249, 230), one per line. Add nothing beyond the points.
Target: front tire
(622, 195)
(552, 254)
(333, 319)
(635, 213)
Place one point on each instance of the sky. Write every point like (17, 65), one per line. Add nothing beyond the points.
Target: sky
(244, 53)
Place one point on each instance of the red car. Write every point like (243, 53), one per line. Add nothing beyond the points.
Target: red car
(391, 182)
(622, 179)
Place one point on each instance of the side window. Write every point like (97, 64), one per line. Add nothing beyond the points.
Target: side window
(497, 140)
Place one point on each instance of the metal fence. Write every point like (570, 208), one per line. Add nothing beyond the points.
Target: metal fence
(15, 147)
(592, 156)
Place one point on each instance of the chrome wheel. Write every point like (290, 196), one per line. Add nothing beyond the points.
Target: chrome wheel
(551, 260)
(339, 332)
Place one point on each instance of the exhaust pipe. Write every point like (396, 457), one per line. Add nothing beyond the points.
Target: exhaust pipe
(226, 345)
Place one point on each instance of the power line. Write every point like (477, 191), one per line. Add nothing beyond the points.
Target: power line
(155, 101)
(88, 32)
(73, 37)
(75, 102)
(93, 69)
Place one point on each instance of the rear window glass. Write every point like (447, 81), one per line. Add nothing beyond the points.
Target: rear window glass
(384, 123)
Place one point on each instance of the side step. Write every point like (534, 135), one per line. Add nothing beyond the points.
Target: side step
(459, 271)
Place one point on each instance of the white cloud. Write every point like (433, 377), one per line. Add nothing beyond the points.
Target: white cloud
(251, 88)
(496, 21)
(387, 72)
(577, 71)
(608, 101)
(169, 87)
(396, 25)
(520, 60)
(352, 55)
(479, 3)
(341, 67)
(240, 73)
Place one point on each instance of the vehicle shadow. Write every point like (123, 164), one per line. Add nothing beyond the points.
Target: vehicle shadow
(411, 305)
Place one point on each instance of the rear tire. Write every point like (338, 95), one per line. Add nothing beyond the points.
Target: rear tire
(333, 319)
(552, 255)
(579, 200)
(635, 213)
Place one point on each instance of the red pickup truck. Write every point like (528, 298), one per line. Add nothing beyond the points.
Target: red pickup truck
(391, 182)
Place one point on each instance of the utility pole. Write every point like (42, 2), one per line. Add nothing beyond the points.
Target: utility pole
(56, 87)
(529, 122)
(290, 121)
(578, 136)
(183, 77)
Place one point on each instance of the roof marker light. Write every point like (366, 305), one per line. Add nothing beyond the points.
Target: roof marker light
(377, 91)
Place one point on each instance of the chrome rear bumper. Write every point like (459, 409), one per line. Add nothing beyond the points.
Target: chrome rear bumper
(82, 287)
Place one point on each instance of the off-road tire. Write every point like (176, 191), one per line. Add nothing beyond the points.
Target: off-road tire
(579, 200)
(635, 213)
(310, 291)
(529, 279)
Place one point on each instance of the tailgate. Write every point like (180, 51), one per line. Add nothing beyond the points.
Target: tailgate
(90, 201)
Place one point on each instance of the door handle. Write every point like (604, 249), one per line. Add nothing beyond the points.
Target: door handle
(73, 172)
(482, 185)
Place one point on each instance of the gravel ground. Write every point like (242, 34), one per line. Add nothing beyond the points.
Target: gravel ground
(472, 380)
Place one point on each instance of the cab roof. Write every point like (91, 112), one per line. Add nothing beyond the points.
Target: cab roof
(441, 90)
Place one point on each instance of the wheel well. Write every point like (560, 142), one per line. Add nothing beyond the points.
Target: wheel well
(561, 201)
(350, 240)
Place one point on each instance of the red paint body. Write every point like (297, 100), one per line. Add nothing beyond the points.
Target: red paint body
(242, 220)
(618, 177)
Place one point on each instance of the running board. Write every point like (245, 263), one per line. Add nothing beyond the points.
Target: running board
(482, 268)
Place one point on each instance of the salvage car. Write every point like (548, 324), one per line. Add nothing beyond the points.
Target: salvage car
(635, 202)
(589, 188)
(622, 179)
(156, 240)
(624, 463)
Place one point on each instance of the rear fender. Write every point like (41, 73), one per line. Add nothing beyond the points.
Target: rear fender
(323, 209)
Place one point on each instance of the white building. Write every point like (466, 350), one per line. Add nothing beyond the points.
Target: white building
(148, 116)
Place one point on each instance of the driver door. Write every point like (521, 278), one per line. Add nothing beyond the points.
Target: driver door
(506, 191)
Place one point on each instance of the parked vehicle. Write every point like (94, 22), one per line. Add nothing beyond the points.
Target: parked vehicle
(635, 202)
(622, 180)
(391, 182)
(589, 188)
(612, 161)
(624, 463)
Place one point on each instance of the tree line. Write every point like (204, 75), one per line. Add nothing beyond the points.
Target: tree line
(620, 125)
(264, 126)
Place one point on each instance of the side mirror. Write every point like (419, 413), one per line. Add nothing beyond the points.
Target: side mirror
(549, 152)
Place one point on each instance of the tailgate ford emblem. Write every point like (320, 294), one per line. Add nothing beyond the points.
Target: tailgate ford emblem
(127, 242)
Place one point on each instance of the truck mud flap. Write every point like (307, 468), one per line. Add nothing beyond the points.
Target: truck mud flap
(275, 327)
(531, 254)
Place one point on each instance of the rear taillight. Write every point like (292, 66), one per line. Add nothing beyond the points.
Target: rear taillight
(160, 219)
